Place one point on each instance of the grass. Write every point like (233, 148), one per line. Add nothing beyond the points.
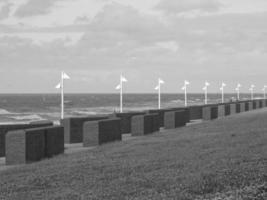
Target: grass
(220, 159)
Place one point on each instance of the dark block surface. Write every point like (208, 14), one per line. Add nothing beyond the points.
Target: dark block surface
(242, 107)
(25, 146)
(227, 109)
(102, 131)
(214, 112)
(195, 112)
(206, 113)
(233, 108)
(144, 124)
(126, 120)
(10, 127)
(238, 109)
(174, 119)
(160, 112)
(221, 110)
(54, 141)
(73, 127)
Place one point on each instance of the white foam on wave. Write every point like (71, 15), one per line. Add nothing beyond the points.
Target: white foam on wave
(4, 112)
(27, 117)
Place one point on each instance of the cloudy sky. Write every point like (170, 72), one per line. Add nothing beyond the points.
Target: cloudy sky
(95, 41)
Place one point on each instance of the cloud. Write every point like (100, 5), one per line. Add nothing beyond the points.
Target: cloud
(35, 7)
(5, 10)
(182, 6)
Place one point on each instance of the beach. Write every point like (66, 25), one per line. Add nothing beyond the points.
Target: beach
(219, 159)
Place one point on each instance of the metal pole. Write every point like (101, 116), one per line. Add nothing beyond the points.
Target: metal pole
(185, 96)
(222, 95)
(159, 96)
(121, 94)
(62, 96)
(206, 95)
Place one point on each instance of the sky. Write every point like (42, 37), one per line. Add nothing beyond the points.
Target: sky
(94, 41)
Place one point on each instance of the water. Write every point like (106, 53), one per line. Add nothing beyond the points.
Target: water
(16, 108)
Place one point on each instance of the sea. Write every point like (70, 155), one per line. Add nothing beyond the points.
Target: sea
(21, 108)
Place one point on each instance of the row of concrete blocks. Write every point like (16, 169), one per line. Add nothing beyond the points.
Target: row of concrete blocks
(92, 130)
(31, 145)
(220, 110)
(141, 123)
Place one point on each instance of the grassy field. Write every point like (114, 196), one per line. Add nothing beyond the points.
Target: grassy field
(220, 159)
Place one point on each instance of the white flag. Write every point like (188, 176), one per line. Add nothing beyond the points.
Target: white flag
(65, 76)
(123, 79)
(183, 88)
(223, 84)
(207, 83)
(58, 86)
(238, 85)
(118, 87)
(161, 81)
(157, 87)
(204, 88)
(237, 89)
(221, 88)
(186, 82)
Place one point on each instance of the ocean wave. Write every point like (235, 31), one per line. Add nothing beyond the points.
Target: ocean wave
(27, 117)
(4, 112)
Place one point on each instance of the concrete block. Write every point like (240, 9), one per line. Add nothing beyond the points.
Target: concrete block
(238, 107)
(126, 120)
(221, 110)
(227, 109)
(73, 127)
(10, 127)
(232, 108)
(101, 131)
(54, 141)
(174, 119)
(24, 146)
(195, 112)
(242, 107)
(143, 124)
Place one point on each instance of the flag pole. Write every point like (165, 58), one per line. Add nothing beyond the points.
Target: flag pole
(185, 97)
(159, 94)
(121, 94)
(222, 95)
(62, 96)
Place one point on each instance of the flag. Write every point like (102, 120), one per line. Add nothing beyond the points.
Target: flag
(186, 82)
(123, 79)
(204, 88)
(118, 87)
(207, 83)
(161, 81)
(183, 88)
(65, 76)
(58, 86)
(223, 84)
(238, 85)
(157, 87)
(221, 88)
(237, 89)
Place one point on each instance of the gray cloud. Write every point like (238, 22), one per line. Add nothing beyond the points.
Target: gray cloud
(5, 10)
(181, 6)
(35, 7)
